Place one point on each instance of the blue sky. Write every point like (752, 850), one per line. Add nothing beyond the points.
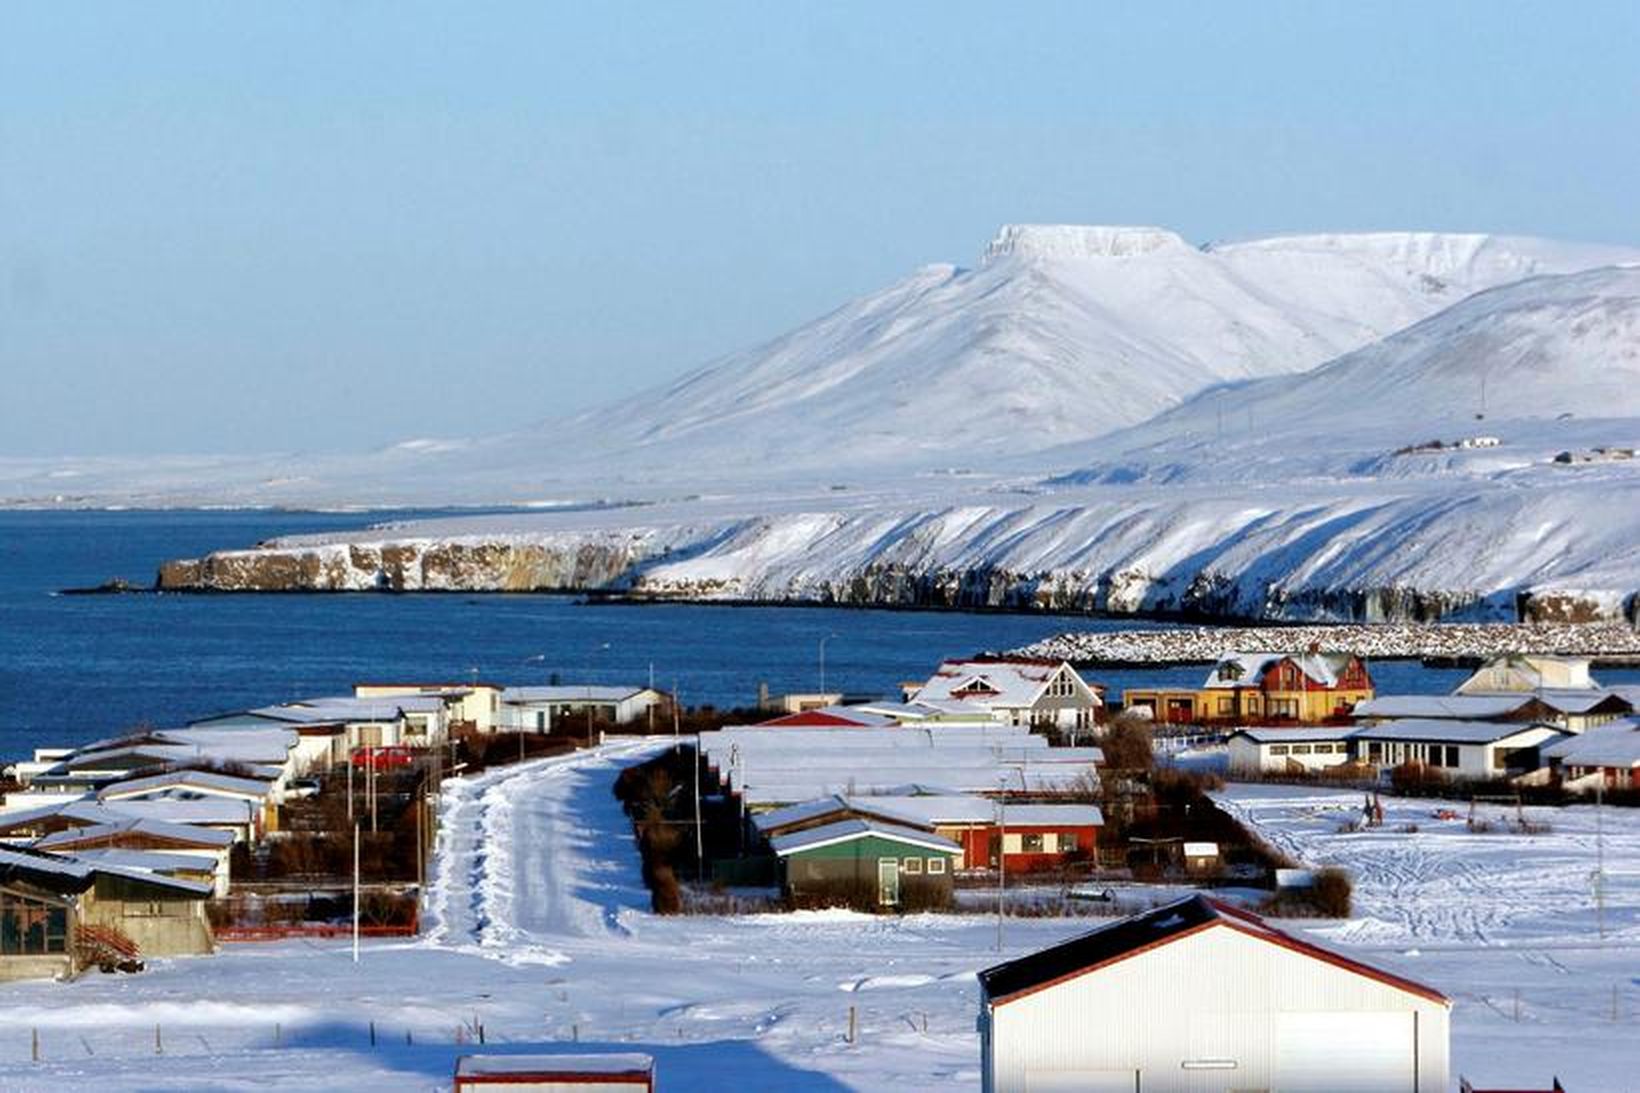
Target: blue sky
(328, 226)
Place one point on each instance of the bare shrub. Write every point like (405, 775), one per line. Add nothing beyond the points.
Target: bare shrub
(1331, 893)
(1127, 744)
(665, 896)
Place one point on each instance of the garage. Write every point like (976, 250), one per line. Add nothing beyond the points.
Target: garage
(1202, 996)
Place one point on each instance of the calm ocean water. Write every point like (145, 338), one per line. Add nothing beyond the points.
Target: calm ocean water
(74, 668)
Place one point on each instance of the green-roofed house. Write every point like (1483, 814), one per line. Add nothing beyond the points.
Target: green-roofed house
(868, 864)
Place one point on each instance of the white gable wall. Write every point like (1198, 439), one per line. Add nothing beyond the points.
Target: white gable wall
(1215, 996)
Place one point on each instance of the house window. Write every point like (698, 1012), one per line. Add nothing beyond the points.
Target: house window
(1278, 749)
(144, 908)
(1301, 749)
(913, 865)
(1375, 750)
(1452, 755)
(936, 865)
(1226, 705)
(30, 927)
(1067, 842)
(1032, 844)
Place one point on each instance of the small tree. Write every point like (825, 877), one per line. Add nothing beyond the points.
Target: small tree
(1127, 744)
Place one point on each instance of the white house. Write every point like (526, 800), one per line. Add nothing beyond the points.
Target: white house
(475, 707)
(1197, 995)
(1607, 755)
(1528, 672)
(538, 709)
(1301, 748)
(1018, 690)
(1459, 749)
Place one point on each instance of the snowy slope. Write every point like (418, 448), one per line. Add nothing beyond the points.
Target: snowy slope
(1058, 335)
(1543, 365)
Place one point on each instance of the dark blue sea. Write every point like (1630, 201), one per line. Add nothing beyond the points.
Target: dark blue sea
(75, 668)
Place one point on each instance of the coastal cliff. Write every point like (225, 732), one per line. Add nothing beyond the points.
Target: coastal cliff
(650, 565)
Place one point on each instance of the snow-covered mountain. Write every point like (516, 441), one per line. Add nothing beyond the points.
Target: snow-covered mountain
(1058, 335)
(1548, 364)
(1061, 333)
(1324, 507)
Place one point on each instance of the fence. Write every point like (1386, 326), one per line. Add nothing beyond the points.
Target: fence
(313, 929)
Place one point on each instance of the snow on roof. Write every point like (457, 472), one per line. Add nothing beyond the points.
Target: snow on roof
(849, 830)
(1576, 700)
(169, 806)
(204, 779)
(928, 709)
(1244, 669)
(1461, 707)
(138, 825)
(586, 693)
(322, 711)
(39, 861)
(1090, 951)
(992, 682)
(80, 809)
(1298, 734)
(777, 818)
(829, 717)
(270, 744)
(153, 861)
(1615, 744)
(615, 1063)
(966, 808)
(1449, 732)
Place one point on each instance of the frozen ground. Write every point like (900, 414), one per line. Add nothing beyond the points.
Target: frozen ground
(538, 932)
(1504, 923)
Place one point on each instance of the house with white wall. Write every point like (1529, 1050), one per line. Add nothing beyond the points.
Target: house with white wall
(1198, 995)
(1302, 748)
(1458, 749)
(1017, 690)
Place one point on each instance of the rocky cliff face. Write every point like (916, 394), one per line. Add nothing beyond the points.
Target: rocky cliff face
(414, 566)
(638, 564)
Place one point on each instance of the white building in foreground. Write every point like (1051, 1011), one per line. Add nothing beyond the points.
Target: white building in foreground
(1195, 996)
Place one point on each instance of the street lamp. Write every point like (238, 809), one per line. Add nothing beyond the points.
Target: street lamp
(823, 641)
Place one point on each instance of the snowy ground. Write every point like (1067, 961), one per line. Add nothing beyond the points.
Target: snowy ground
(1504, 923)
(538, 932)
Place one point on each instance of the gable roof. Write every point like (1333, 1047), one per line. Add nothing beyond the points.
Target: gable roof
(1006, 682)
(200, 779)
(1298, 734)
(827, 717)
(848, 830)
(1456, 707)
(106, 834)
(1322, 668)
(1449, 732)
(1616, 744)
(75, 810)
(778, 818)
(1141, 933)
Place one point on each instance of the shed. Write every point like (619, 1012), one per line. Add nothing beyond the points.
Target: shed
(866, 862)
(627, 1072)
(1283, 750)
(1197, 994)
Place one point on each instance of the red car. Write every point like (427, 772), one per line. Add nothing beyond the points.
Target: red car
(385, 757)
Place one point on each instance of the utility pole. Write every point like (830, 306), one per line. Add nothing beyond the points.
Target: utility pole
(355, 893)
(1600, 854)
(700, 852)
(350, 785)
(1002, 855)
(823, 641)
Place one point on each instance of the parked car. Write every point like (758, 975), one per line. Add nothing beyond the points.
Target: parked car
(385, 757)
(298, 788)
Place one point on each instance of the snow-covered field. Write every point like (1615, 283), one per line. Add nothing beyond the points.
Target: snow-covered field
(538, 931)
(1505, 923)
